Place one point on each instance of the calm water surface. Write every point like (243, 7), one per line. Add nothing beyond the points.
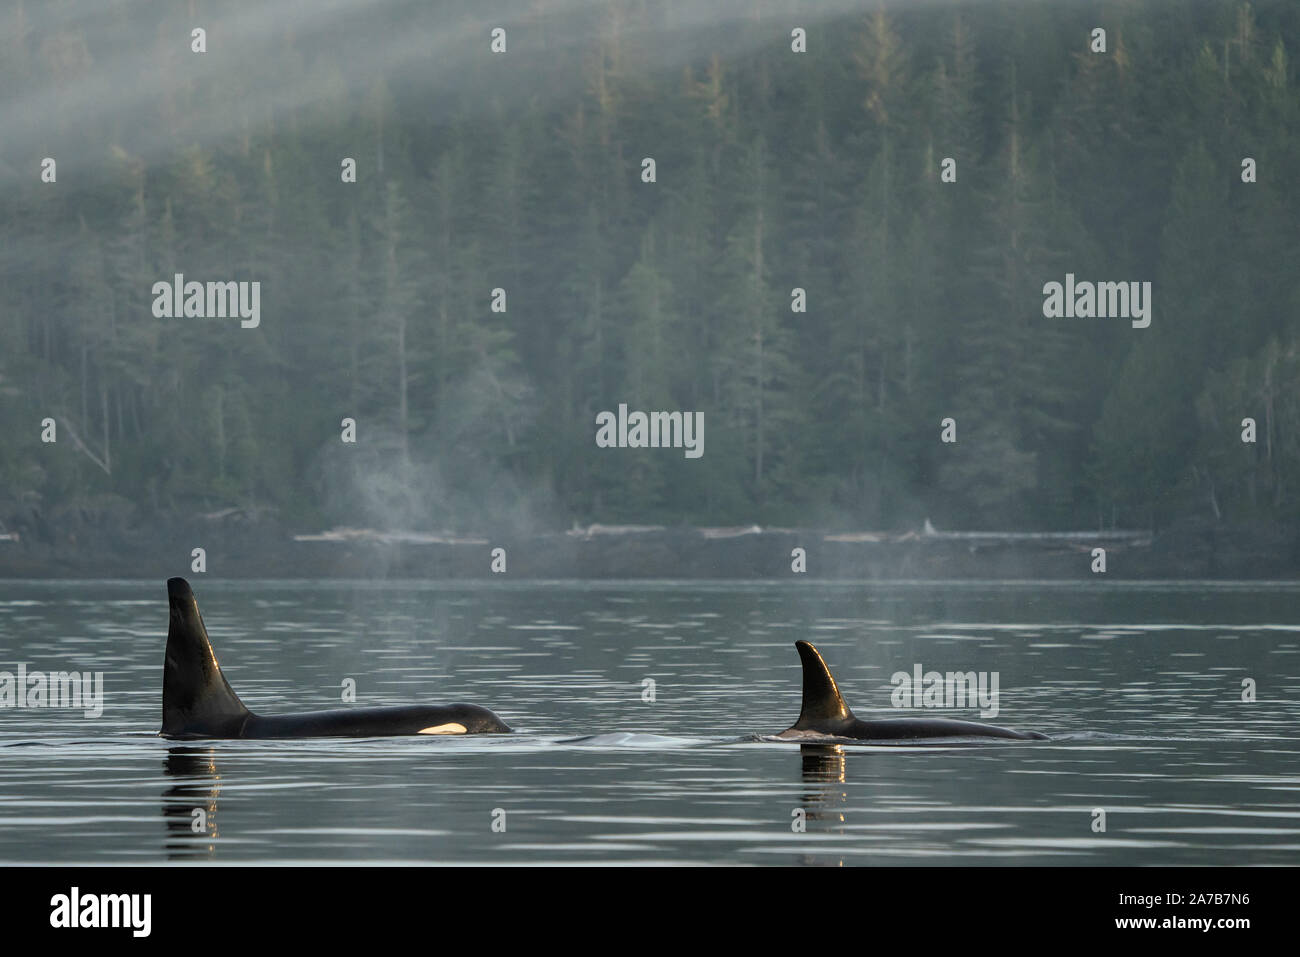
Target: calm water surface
(1139, 685)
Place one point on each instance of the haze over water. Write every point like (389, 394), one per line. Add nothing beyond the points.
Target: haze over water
(1139, 685)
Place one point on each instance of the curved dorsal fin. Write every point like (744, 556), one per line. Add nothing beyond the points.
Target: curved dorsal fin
(197, 700)
(821, 695)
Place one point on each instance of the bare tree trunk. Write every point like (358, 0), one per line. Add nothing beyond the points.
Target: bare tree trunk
(354, 305)
(76, 440)
(85, 408)
(103, 414)
(399, 314)
(221, 432)
(761, 303)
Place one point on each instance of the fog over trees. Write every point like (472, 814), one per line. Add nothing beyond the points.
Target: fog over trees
(775, 170)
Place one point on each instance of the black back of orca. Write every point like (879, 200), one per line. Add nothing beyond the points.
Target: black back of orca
(198, 702)
(825, 713)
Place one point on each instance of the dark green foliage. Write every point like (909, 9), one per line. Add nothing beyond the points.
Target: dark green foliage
(774, 171)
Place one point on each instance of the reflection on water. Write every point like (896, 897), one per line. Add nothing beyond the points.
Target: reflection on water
(822, 763)
(1140, 687)
(189, 804)
(825, 798)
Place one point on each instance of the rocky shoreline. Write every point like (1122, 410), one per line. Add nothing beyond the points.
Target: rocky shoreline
(235, 547)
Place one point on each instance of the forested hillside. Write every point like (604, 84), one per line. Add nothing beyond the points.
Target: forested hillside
(774, 170)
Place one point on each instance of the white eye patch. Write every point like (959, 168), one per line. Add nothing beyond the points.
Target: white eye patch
(449, 728)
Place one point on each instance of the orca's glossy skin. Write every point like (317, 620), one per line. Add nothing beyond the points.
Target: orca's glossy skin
(199, 703)
(824, 714)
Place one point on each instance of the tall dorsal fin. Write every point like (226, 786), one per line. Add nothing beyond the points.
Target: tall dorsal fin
(821, 695)
(197, 700)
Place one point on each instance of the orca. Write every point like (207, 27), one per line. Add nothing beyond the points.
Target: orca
(198, 702)
(824, 714)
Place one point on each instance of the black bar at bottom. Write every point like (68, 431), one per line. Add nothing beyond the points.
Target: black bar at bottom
(196, 905)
